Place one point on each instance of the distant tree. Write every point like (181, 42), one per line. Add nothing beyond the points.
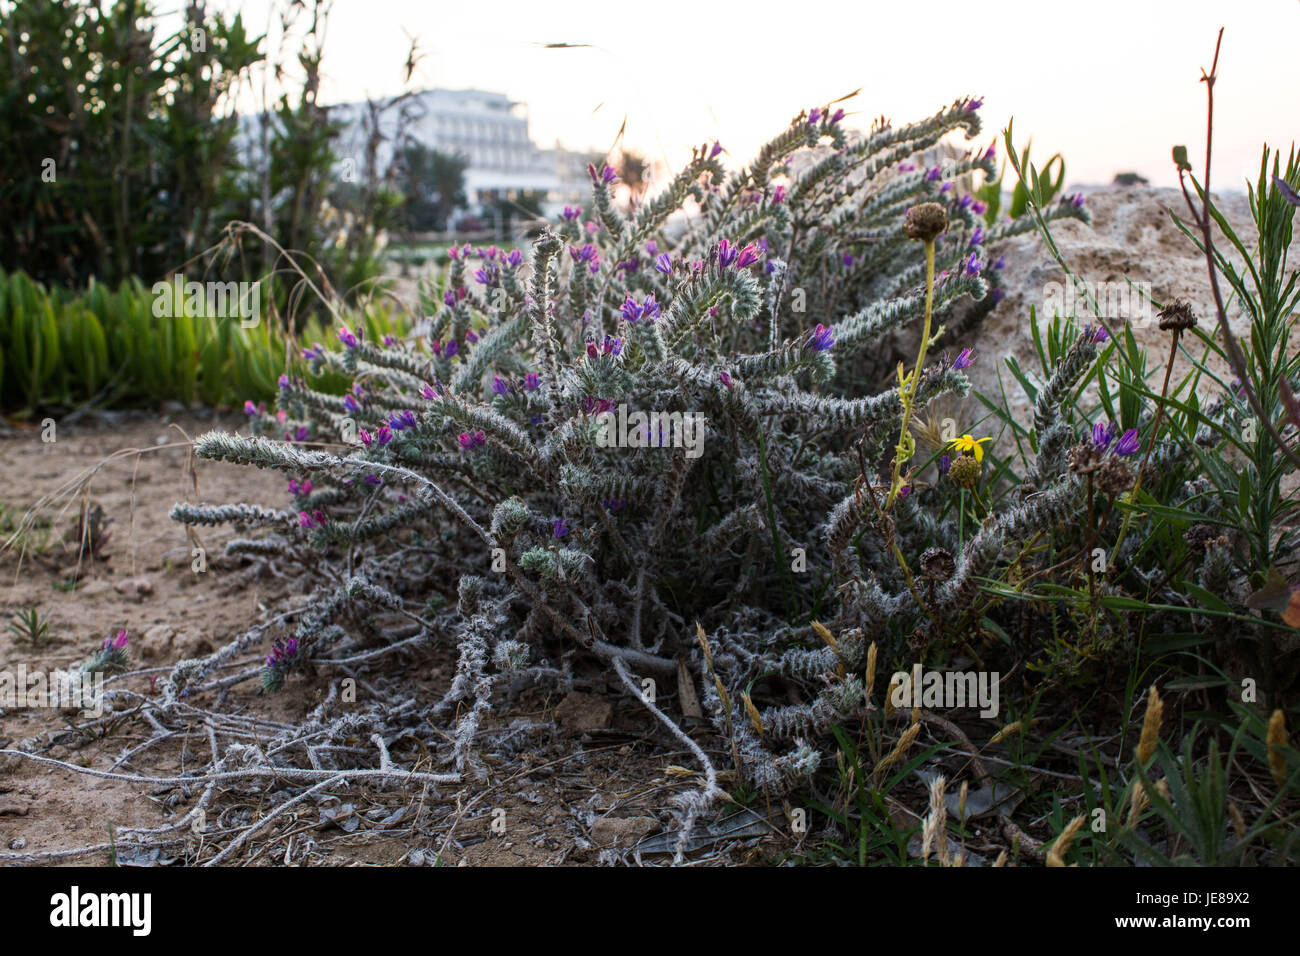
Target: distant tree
(433, 184)
(1131, 179)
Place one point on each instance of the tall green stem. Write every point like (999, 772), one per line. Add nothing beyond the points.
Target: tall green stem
(903, 451)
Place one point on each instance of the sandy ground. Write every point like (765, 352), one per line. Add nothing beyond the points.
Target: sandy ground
(591, 775)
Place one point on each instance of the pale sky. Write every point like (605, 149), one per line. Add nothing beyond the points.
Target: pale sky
(1111, 84)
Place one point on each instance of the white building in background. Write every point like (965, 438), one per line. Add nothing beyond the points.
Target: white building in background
(488, 130)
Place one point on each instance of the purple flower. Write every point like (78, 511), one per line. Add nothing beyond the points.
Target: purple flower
(452, 349)
(531, 382)
(965, 201)
(365, 437)
(468, 440)
(613, 345)
(347, 338)
(1103, 435)
(1128, 443)
(1001, 263)
(822, 338)
(118, 641)
(1097, 335)
(837, 116)
(944, 464)
(300, 433)
(997, 295)
(427, 392)
(846, 260)
(725, 378)
(992, 151)
(284, 383)
(572, 212)
(350, 404)
(615, 504)
(778, 194)
(964, 359)
(934, 174)
(977, 236)
(726, 254)
(906, 167)
(747, 257)
(389, 341)
(1077, 199)
(978, 207)
(487, 275)
(717, 148)
(315, 352)
(664, 263)
(500, 385)
(631, 311)
(973, 104)
(383, 436)
(250, 408)
(973, 264)
(558, 528)
(403, 419)
(373, 480)
(814, 115)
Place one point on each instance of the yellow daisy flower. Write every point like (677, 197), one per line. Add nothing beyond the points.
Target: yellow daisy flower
(968, 444)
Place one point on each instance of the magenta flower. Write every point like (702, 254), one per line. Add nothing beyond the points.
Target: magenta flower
(726, 254)
(964, 359)
(468, 440)
(1128, 443)
(747, 257)
(822, 338)
(383, 436)
(117, 642)
(250, 408)
(347, 338)
(778, 195)
(725, 379)
(531, 382)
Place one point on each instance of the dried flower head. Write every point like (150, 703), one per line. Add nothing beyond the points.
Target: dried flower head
(925, 222)
(965, 471)
(1177, 317)
(1114, 477)
(1085, 458)
(937, 564)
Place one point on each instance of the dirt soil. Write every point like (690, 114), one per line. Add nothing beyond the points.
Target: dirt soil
(591, 778)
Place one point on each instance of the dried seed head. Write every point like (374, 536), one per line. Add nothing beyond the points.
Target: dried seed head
(925, 222)
(937, 564)
(1276, 741)
(1177, 317)
(1114, 477)
(1150, 726)
(1085, 458)
(965, 471)
(1201, 537)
